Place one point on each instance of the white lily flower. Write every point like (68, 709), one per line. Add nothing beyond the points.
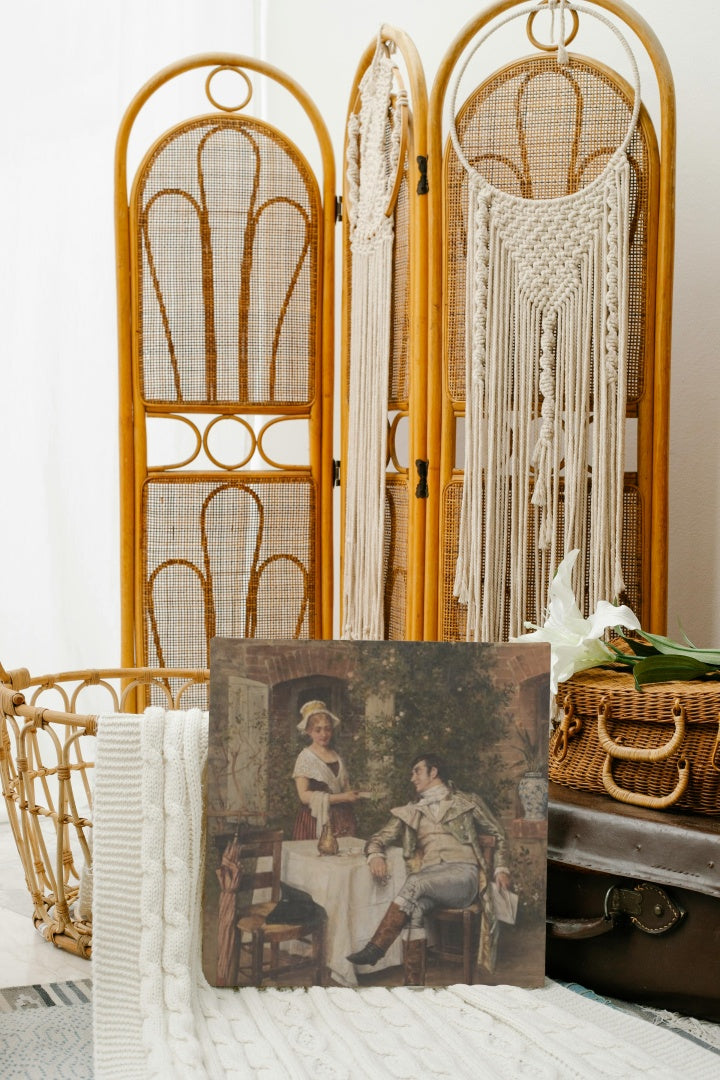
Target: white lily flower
(575, 642)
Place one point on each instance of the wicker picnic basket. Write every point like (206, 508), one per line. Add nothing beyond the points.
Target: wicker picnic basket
(658, 747)
(46, 758)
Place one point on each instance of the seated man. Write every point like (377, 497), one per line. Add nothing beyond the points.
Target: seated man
(440, 836)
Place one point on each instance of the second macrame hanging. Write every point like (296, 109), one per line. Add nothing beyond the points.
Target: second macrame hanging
(546, 321)
(374, 160)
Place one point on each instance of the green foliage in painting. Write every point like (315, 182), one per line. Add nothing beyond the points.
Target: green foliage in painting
(440, 703)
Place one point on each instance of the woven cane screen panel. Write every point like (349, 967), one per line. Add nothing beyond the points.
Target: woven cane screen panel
(453, 614)
(226, 218)
(540, 131)
(399, 373)
(396, 556)
(233, 558)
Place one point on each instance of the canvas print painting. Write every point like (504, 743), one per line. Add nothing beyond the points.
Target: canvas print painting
(376, 813)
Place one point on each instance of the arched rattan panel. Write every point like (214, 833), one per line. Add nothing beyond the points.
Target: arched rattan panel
(540, 130)
(225, 288)
(404, 541)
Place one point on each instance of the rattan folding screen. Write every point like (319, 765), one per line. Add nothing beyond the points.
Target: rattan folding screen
(511, 134)
(225, 286)
(405, 487)
(538, 129)
(225, 254)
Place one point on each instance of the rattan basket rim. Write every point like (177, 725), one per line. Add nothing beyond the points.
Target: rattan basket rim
(586, 689)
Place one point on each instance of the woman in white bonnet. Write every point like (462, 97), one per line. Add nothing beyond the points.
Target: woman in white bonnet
(321, 779)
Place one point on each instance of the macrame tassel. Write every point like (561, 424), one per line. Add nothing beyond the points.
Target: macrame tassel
(471, 536)
(605, 571)
(547, 321)
(370, 171)
(367, 435)
(542, 458)
(620, 396)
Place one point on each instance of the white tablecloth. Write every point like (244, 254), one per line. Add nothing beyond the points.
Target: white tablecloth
(354, 901)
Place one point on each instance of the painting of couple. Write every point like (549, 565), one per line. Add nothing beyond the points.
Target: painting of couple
(389, 773)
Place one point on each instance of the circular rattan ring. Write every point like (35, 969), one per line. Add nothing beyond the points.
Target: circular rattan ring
(551, 48)
(238, 71)
(216, 461)
(391, 451)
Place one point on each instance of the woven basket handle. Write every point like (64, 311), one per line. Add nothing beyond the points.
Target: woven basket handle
(570, 726)
(645, 756)
(652, 802)
(634, 753)
(715, 755)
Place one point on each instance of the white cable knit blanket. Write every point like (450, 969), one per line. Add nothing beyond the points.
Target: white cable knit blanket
(156, 1016)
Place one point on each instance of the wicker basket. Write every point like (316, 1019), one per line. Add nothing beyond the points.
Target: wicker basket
(46, 754)
(658, 747)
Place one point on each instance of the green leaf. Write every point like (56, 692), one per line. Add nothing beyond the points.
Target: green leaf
(672, 648)
(654, 669)
(640, 648)
(687, 639)
(620, 657)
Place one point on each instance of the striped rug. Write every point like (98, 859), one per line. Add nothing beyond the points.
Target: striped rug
(46, 1031)
(16, 998)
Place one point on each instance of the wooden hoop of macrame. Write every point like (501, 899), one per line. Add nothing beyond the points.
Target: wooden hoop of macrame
(546, 321)
(374, 161)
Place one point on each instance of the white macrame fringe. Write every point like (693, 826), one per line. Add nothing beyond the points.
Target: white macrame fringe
(547, 293)
(363, 579)
(546, 321)
(371, 168)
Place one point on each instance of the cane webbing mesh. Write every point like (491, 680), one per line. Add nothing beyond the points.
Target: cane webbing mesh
(399, 376)
(540, 131)
(397, 485)
(453, 614)
(396, 556)
(232, 557)
(225, 219)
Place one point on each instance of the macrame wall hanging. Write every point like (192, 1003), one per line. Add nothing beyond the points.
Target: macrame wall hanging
(546, 339)
(375, 159)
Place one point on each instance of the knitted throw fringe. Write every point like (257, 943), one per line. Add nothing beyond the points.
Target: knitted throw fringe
(372, 162)
(546, 321)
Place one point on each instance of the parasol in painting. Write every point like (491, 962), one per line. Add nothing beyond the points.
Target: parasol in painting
(229, 874)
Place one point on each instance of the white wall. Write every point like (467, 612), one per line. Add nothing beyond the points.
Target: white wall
(68, 70)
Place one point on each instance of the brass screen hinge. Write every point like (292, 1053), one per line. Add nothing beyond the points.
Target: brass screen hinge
(338, 208)
(335, 473)
(423, 186)
(421, 491)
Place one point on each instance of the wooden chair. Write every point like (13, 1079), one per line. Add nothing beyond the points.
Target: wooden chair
(469, 919)
(253, 919)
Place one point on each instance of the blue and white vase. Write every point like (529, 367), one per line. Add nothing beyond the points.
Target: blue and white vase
(533, 795)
